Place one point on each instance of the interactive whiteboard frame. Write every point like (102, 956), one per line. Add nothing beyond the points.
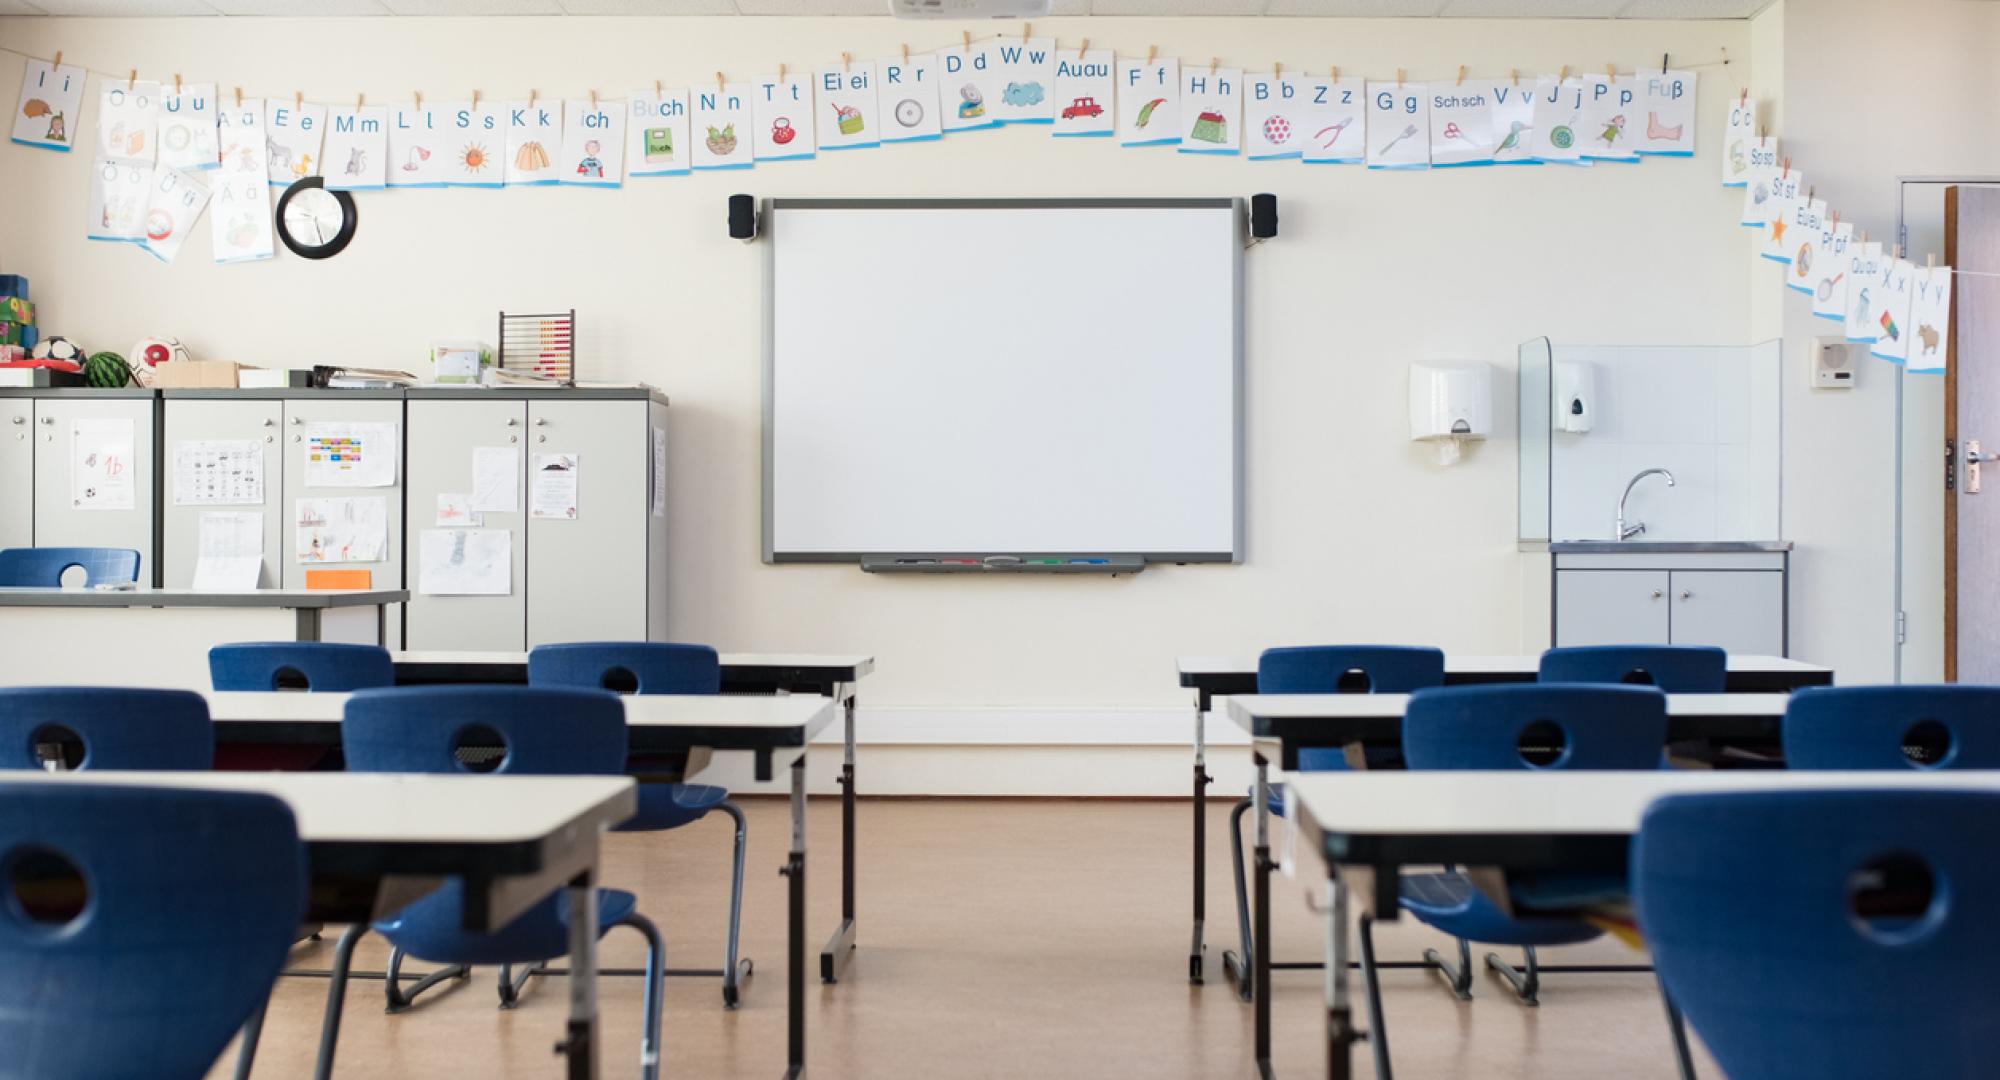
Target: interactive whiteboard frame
(768, 225)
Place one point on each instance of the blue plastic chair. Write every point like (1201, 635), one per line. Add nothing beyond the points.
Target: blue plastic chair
(1324, 669)
(1677, 669)
(540, 732)
(1513, 727)
(1893, 727)
(94, 727)
(43, 568)
(191, 901)
(1830, 934)
(326, 666)
(657, 667)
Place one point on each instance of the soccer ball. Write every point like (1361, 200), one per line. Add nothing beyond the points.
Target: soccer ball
(150, 353)
(61, 350)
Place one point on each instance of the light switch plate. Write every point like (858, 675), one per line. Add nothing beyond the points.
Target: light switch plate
(1833, 366)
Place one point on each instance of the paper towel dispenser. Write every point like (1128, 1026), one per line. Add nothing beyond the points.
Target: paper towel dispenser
(1451, 402)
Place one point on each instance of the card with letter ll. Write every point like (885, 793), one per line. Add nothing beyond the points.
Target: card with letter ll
(1211, 110)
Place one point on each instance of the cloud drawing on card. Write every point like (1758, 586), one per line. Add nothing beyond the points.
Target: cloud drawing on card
(1026, 69)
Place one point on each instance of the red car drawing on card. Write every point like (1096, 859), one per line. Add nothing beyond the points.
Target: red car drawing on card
(1083, 106)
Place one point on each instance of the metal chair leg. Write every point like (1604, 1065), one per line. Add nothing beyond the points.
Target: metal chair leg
(1378, 1032)
(1683, 1057)
(731, 975)
(511, 987)
(1459, 978)
(336, 992)
(1239, 966)
(246, 1051)
(1527, 982)
(656, 956)
(392, 984)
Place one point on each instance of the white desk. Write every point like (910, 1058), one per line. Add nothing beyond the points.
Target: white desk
(1584, 821)
(1214, 676)
(161, 637)
(388, 839)
(769, 727)
(830, 675)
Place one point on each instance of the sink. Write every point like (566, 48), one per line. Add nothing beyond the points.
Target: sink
(1667, 547)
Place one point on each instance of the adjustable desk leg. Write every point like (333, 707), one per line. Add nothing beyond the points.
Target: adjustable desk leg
(1260, 947)
(581, 1044)
(1340, 1033)
(840, 947)
(795, 944)
(1201, 782)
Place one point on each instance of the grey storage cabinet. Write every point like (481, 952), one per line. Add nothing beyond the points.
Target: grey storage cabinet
(17, 472)
(303, 409)
(57, 521)
(599, 577)
(1735, 601)
(202, 415)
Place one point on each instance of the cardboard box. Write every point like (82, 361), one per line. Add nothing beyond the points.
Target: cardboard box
(16, 310)
(196, 374)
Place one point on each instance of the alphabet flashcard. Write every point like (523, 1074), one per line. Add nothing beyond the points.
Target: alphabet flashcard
(1272, 120)
(1930, 320)
(1399, 124)
(187, 127)
(475, 143)
(417, 154)
(1026, 73)
(593, 146)
(296, 130)
(1513, 120)
(721, 131)
(239, 219)
(1085, 94)
(782, 118)
(1558, 121)
(1149, 96)
(1608, 106)
(1211, 110)
(970, 88)
(1333, 121)
(175, 201)
(1666, 100)
(1461, 126)
(908, 90)
(534, 142)
(1738, 137)
(51, 98)
(849, 116)
(357, 148)
(656, 133)
(128, 118)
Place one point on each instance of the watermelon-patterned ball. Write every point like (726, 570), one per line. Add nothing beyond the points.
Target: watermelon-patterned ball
(1277, 130)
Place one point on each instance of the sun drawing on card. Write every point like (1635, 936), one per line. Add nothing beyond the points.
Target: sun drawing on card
(473, 158)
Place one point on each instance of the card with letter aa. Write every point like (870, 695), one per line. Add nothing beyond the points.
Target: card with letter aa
(1149, 96)
(1889, 310)
(656, 133)
(968, 87)
(1608, 131)
(417, 154)
(357, 148)
(782, 117)
(1399, 125)
(1930, 320)
(296, 131)
(239, 218)
(1737, 139)
(721, 127)
(1757, 186)
(1272, 118)
(1829, 271)
(1558, 121)
(172, 207)
(1513, 120)
(593, 143)
(1666, 100)
(187, 127)
(1461, 126)
(119, 199)
(850, 115)
(51, 98)
(1864, 272)
(1333, 121)
(534, 142)
(474, 142)
(1787, 190)
(128, 119)
(1802, 243)
(1211, 111)
(1085, 98)
(1026, 74)
(908, 90)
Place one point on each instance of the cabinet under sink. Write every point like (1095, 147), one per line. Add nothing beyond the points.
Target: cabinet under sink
(1723, 593)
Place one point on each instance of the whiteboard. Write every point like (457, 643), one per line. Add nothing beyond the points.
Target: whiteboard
(1003, 377)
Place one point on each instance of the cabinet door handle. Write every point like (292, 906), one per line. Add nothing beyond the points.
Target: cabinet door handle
(1687, 594)
(20, 420)
(268, 422)
(541, 421)
(511, 422)
(1658, 593)
(297, 420)
(50, 420)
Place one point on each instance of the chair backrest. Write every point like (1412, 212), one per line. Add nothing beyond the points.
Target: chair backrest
(645, 667)
(1677, 669)
(1349, 669)
(141, 926)
(300, 665)
(1893, 727)
(43, 568)
(1829, 934)
(539, 730)
(96, 727)
(1535, 727)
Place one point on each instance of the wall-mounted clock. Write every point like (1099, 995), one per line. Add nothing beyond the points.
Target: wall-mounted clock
(313, 222)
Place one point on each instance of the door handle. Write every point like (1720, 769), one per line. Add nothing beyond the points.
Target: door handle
(1972, 459)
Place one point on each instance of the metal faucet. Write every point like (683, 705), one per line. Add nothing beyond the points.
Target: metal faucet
(1626, 532)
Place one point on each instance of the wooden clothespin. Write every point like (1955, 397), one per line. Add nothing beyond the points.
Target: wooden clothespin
(1833, 216)
(1610, 73)
(131, 80)
(906, 53)
(362, 99)
(1277, 71)
(1564, 76)
(532, 94)
(1514, 74)
(718, 82)
(418, 96)
(58, 62)
(1862, 236)
(1213, 62)
(965, 36)
(658, 90)
(177, 84)
(1151, 51)
(845, 60)
(239, 97)
(1399, 78)
(1461, 75)
(593, 101)
(1930, 264)
(475, 99)
(1082, 49)
(1743, 98)
(299, 99)
(1025, 27)
(1335, 72)
(781, 71)
(1787, 173)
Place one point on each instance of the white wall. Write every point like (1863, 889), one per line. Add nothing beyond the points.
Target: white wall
(1351, 532)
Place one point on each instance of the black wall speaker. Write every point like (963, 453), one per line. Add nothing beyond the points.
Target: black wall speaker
(1263, 216)
(742, 217)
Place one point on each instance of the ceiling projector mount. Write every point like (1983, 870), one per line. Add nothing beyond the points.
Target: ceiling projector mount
(969, 9)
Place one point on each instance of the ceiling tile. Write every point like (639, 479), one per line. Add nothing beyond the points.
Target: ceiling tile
(1690, 9)
(124, 7)
(1533, 9)
(474, 7)
(813, 7)
(299, 7)
(1177, 7)
(1367, 8)
(649, 7)
(19, 7)
(1070, 7)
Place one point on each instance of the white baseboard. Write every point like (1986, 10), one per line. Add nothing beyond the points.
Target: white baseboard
(917, 750)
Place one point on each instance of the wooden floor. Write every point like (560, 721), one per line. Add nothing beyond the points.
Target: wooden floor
(999, 938)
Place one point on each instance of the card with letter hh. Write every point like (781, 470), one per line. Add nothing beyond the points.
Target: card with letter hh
(969, 87)
(296, 129)
(1930, 320)
(1149, 96)
(1085, 92)
(1027, 75)
(51, 97)
(1399, 124)
(782, 117)
(1667, 100)
(1211, 110)
(1272, 118)
(357, 148)
(850, 112)
(656, 133)
(721, 127)
(1333, 121)
(908, 90)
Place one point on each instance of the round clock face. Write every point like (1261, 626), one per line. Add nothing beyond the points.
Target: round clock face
(313, 222)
